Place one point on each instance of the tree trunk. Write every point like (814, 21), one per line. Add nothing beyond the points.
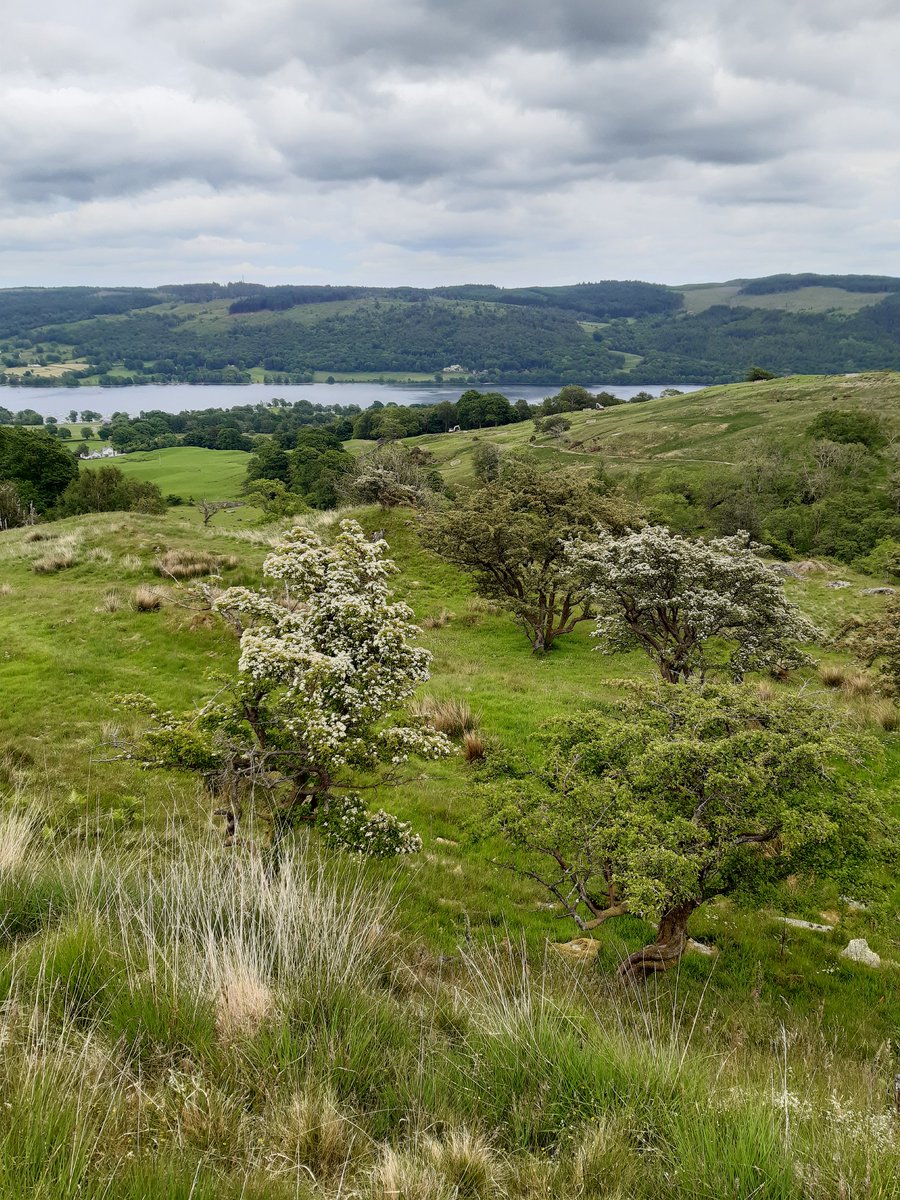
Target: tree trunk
(671, 939)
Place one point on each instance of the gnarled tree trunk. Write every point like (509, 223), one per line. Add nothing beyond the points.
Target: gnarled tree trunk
(671, 939)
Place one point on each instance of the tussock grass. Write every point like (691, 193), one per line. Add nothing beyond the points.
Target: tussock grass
(439, 621)
(64, 554)
(474, 746)
(6, 589)
(833, 675)
(187, 564)
(856, 684)
(883, 713)
(131, 563)
(99, 554)
(198, 1027)
(111, 602)
(146, 598)
(39, 533)
(451, 716)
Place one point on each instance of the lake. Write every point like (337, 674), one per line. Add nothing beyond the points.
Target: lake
(177, 397)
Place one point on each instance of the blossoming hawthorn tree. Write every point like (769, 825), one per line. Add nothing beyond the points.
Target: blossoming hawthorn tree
(671, 797)
(690, 604)
(310, 720)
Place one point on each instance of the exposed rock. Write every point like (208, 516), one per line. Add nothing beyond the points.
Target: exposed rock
(853, 905)
(578, 950)
(838, 583)
(810, 567)
(781, 568)
(702, 948)
(859, 951)
(878, 591)
(796, 923)
(445, 841)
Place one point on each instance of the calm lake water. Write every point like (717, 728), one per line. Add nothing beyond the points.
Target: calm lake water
(177, 397)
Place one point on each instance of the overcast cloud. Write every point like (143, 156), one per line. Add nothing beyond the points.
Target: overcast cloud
(427, 142)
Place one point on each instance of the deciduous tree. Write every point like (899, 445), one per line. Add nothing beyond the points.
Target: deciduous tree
(511, 536)
(689, 604)
(310, 719)
(668, 798)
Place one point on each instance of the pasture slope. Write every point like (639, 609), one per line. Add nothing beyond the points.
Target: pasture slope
(402, 1029)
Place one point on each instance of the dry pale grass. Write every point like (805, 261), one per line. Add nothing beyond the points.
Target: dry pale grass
(313, 1131)
(466, 1162)
(883, 713)
(766, 691)
(16, 841)
(478, 607)
(110, 603)
(856, 684)
(452, 717)
(131, 562)
(146, 598)
(187, 564)
(243, 999)
(439, 621)
(37, 534)
(100, 554)
(64, 554)
(474, 746)
(833, 675)
(6, 589)
(400, 1175)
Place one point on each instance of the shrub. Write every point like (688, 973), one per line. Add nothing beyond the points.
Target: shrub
(146, 598)
(109, 490)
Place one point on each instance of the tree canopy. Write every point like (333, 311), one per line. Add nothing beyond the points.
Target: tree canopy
(510, 534)
(689, 604)
(302, 729)
(672, 796)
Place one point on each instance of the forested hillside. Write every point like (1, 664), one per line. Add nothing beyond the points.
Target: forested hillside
(616, 332)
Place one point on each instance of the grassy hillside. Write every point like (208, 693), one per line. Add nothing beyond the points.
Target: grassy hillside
(395, 1029)
(717, 425)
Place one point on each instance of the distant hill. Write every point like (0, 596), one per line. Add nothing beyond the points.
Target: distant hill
(610, 331)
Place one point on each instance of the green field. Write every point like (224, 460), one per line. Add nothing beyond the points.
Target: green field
(699, 297)
(191, 472)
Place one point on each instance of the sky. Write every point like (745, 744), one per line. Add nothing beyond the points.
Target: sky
(431, 142)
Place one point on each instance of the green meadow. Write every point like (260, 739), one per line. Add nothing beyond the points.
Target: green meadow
(176, 1023)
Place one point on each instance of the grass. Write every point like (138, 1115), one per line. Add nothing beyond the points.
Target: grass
(178, 1024)
(699, 297)
(190, 472)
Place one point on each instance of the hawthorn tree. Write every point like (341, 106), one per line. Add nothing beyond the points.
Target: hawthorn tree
(671, 797)
(689, 604)
(510, 535)
(311, 718)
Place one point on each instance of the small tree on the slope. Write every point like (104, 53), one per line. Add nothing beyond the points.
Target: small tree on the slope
(310, 719)
(690, 604)
(393, 477)
(511, 536)
(669, 798)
